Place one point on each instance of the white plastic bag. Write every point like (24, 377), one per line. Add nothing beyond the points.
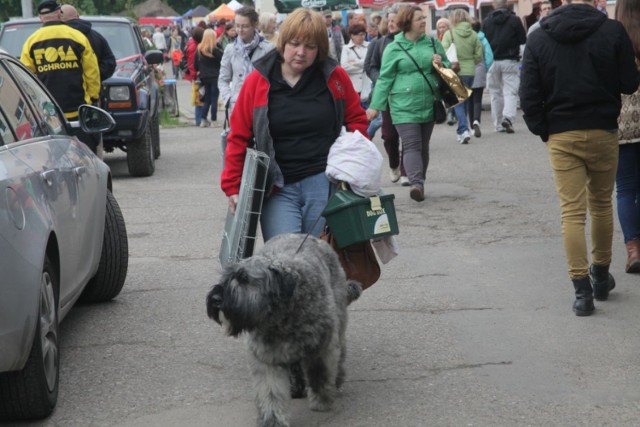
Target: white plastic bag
(365, 93)
(452, 53)
(355, 160)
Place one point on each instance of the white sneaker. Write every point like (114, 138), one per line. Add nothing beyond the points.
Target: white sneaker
(464, 137)
(394, 174)
(204, 123)
(404, 181)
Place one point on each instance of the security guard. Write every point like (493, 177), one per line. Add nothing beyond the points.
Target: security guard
(64, 61)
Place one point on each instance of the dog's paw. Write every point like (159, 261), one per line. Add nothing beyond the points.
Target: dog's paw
(299, 393)
(297, 383)
(319, 404)
(273, 422)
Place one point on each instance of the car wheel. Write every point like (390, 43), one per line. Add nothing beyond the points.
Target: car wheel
(114, 261)
(155, 135)
(140, 157)
(32, 393)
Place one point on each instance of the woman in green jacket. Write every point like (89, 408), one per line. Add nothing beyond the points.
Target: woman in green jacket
(403, 87)
(470, 54)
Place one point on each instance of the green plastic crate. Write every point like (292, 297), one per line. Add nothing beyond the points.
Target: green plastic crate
(354, 218)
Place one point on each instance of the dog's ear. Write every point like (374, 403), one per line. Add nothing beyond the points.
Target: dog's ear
(286, 281)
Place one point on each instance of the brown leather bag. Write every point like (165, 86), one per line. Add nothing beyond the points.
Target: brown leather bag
(358, 260)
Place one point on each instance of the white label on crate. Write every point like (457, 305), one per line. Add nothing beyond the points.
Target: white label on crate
(382, 225)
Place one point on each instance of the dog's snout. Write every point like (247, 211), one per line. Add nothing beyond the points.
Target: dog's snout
(214, 302)
(216, 295)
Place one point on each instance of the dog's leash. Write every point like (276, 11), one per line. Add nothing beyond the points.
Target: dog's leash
(305, 237)
(341, 186)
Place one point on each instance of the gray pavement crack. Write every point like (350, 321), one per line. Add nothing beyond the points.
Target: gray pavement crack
(435, 371)
(431, 311)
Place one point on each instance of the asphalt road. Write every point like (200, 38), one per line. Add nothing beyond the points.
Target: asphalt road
(471, 325)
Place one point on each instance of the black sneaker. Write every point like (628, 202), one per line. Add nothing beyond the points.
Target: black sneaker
(451, 117)
(508, 127)
(476, 129)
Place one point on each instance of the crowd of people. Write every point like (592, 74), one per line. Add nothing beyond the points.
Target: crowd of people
(573, 70)
(388, 61)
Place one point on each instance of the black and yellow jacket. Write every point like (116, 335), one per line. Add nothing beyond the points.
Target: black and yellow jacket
(64, 61)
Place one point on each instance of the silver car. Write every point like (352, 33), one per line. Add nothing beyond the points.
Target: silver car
(62, 235)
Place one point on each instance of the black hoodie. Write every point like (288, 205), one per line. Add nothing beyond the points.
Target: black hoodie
(574, 70)
(505, 33)
(100, 46)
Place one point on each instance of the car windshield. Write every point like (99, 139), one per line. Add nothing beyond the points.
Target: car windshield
(14, 36)
(120, 37)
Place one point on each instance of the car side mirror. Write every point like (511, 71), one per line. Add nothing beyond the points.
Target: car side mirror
(95, 120)
(154, 57)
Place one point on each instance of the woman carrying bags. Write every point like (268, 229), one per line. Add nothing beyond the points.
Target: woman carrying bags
(406, 66)
(293, 105)
(469, 49)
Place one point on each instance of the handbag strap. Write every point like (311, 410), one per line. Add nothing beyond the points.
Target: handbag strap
(226, 115)
(419, 69)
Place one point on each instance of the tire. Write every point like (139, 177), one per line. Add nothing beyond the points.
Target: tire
(32, 393)
(155, 135)
(107, 283)
(140, 157)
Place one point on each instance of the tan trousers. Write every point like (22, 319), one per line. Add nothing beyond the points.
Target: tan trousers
(584, 167)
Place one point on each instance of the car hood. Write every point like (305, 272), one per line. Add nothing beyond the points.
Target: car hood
(128, 68)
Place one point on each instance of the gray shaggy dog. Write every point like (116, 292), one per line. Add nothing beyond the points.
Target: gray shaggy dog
(291, 300)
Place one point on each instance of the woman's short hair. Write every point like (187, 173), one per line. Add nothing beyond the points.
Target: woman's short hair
(444, 21)
(357, 29)
(266, 19)
(197, 34)
(404, 17)
(305, 25)
(229, 26)
(476, 25)
(249, 12)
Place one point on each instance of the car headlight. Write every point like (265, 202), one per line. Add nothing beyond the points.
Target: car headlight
(119, 93)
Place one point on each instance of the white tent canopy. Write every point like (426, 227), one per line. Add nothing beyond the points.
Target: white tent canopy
(235, 5)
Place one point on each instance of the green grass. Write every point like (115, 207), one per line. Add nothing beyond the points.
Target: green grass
(168, 121)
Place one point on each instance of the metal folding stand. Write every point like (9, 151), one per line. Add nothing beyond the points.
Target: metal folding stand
(170, 98)
(238, 240)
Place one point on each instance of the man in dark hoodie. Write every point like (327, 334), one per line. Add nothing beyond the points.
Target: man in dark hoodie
(574, 69)
(106, 60)
(505, 33)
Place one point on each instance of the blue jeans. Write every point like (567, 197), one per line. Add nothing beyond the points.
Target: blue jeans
(211, 93)
(296, 208)
(628, 190)
(461, 109)
(374, 126)
(197, 111)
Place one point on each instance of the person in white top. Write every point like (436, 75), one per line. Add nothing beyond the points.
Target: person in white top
(352, 60)
(159, 40)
